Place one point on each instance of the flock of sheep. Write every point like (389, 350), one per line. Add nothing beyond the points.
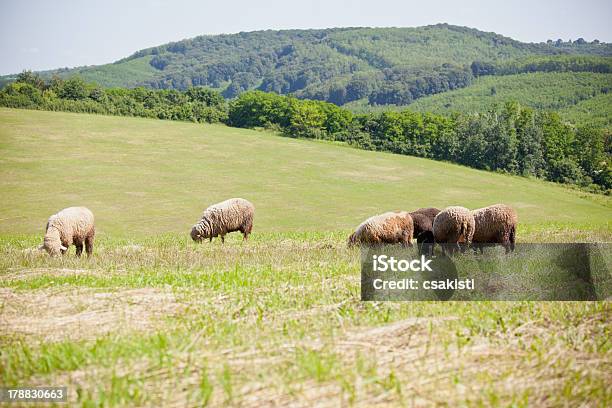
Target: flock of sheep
(457, 226)
(454, 227)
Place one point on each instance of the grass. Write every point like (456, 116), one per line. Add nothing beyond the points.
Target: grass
(153, 319)
(144, 177)
(120, 74)
(278, 320)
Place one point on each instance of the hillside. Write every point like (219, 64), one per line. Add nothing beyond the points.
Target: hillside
(581, 97)
(340, 65)
(154, 319)
(143, 177)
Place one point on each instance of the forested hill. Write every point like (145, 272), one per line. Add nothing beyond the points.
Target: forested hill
(340, 65)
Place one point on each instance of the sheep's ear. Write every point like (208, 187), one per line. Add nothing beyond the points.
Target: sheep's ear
(63, 248)
(40, 248)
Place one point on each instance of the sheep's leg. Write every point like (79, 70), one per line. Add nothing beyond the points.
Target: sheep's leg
(223, 239)
(79, 248)
(512, 238)
(506, 241)
(89, 241)
(407, 240)
(246, 231)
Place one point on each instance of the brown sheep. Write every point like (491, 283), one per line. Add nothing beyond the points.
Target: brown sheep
(387, 228)
(71, 226)
(235, 214)
(423, 224)
(454, 225)
(495, 224)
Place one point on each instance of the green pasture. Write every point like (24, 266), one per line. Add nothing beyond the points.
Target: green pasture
(143, 177)
(154, 319)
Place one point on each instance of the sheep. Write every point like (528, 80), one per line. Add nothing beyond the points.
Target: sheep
(454, 225)
(73, 225)
(423, 224)
(235, 214)
(387, 228)
(423, 228)
(495, 224)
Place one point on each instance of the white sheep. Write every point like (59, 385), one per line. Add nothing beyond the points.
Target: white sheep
(235, 214)
(73, 225)
(387, 228)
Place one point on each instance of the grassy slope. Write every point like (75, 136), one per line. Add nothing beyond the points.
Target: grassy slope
(156, 320)
(122, 74)
(556, 91)
(144, 177)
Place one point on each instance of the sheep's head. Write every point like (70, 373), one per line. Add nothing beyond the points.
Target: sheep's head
(52, 243)
(199, 233)
(53, 247)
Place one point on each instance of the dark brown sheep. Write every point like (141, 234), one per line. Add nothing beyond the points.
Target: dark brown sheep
(423, 224)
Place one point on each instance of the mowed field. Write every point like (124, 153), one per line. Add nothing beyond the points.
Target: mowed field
(153, 319)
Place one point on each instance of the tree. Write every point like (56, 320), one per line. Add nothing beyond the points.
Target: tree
(207, 96)
(589, 153)
(73, 88)
(306, 119)
(27, 77)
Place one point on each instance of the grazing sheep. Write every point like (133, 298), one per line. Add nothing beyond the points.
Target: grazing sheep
(73, 225)
(423, 224)
(235, 214)
(454, 225)
(495, 224)
(387, 228)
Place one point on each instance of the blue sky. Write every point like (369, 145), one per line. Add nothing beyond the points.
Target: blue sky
(65, 33)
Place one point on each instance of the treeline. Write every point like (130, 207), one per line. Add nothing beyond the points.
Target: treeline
(403, 85)
(196, 104)
(562, 63)
(513, 139)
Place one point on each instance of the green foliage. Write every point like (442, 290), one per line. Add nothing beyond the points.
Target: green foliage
(559, 63)
(74, 88)
(259, 109)
(27, 77)
(513, 139)
(197, 104)
(342, 65)
(581, 97)
(297, 118)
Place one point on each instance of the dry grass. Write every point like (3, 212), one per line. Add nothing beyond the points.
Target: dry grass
(278, 322)
(419, 361)
(60, 314)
